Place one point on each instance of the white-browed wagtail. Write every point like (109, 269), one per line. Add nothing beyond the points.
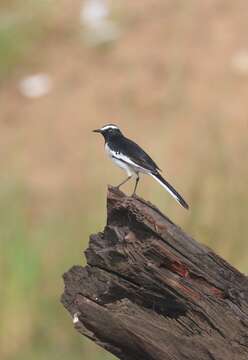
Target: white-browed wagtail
(129, 156)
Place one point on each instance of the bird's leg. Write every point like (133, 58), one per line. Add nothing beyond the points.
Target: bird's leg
(123, 182)
(136, 184)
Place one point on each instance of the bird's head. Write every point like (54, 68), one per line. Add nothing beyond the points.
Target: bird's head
(108, 131)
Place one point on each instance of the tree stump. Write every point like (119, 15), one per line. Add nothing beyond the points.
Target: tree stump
(151, 292)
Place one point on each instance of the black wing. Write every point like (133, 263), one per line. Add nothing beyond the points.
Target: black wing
(136, 154)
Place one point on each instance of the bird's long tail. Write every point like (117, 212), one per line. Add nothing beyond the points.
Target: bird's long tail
(170, 189)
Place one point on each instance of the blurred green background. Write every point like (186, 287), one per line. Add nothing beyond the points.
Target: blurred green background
(174, 76)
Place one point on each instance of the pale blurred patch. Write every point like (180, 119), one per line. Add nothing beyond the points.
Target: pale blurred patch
(98, 25)
(239, 62)
(35, 86)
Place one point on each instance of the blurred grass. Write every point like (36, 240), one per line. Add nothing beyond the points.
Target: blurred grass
(21, 24)
(34, 253)
(219, 200)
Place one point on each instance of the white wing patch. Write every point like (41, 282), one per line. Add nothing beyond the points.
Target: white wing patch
(125, 160)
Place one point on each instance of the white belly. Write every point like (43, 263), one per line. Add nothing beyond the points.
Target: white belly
(124, 166)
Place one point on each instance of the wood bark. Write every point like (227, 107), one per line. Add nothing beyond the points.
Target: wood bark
(151, 292)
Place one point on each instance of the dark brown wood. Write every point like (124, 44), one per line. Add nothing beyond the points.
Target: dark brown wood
(151, 292)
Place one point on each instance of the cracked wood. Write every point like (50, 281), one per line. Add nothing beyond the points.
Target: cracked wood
(149, 291)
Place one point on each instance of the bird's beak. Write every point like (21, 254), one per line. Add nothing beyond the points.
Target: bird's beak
(97, 131)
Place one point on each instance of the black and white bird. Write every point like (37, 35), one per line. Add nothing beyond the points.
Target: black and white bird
(129, 156)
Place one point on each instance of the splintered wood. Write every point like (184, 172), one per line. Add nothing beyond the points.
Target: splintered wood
(151, 292)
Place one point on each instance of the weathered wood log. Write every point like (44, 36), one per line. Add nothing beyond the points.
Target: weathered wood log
(151, 292)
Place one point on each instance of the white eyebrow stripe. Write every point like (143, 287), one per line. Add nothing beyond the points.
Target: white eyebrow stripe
(109, 127)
